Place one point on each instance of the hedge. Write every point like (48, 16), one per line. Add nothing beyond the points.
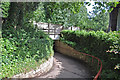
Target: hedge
(97, 44)
(23, 50)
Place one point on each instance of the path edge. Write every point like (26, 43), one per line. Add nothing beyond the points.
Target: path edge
(42, 69)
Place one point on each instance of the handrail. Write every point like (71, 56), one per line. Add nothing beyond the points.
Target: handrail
(97, 75)
(93, 57)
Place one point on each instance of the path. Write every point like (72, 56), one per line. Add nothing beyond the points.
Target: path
(67, 67)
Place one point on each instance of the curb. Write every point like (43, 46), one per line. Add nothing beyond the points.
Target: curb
(42, 69)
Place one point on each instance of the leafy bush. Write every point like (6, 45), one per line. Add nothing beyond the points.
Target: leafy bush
(23, 50)
(95, 43)
(4, 9)
(115, 49)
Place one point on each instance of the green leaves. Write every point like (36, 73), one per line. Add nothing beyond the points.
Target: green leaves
(110, 9)
(61, 12)
(21, 48)
(106, 5)
(4, 7)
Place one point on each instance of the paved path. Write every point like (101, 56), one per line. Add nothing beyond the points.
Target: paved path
(67, 67)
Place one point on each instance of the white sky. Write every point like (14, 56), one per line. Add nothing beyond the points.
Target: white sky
(89, 8)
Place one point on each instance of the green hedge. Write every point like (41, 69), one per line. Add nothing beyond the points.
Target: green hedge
(96, 44)
(23, 50)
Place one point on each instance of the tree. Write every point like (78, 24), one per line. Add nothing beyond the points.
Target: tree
(39, 14)
(99, 19)
(79, 19)
(19, 13)
(60, 12)
(113, 18)
(112, 7)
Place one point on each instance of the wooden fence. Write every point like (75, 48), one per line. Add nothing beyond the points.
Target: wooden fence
(53, 29)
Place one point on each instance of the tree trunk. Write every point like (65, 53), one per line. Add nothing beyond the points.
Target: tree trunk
(12, 14)
(113, 18)
(17, 10)
(21, 14)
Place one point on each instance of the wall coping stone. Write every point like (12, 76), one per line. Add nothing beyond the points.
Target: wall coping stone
(42, 69)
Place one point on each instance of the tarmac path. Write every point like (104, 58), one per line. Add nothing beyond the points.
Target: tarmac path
(67, 67)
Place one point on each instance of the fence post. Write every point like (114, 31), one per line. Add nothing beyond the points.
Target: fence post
(71, 28)
(54, 32)
(48, 28)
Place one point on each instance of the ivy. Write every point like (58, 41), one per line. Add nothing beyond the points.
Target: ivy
(23, 50)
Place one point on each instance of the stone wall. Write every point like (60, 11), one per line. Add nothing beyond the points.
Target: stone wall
(42, 69)
(67, 50)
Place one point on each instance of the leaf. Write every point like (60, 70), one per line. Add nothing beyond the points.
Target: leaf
(103, 11)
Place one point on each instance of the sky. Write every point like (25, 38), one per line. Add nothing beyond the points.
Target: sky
(89, 8)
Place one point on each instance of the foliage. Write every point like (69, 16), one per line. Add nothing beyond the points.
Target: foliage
(61, 12)
(70, 15)
(106, 7)
(91, 39)
(95, 43)
(39, 14)
(98, 20)
(79, 19)
(19, 13)
(103, 6)
(23, 47)
(65, 13)
(115, 49)
(4, 7)
(23, 50)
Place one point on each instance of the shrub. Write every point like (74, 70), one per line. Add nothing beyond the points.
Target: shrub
(96, 42)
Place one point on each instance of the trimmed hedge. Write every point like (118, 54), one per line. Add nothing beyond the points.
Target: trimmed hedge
(96, 44)
(23, 50)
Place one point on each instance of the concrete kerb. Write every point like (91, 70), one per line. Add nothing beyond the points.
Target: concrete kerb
(42, 69)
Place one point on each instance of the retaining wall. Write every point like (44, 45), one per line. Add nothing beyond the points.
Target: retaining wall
(42, 69)
(67, 50)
